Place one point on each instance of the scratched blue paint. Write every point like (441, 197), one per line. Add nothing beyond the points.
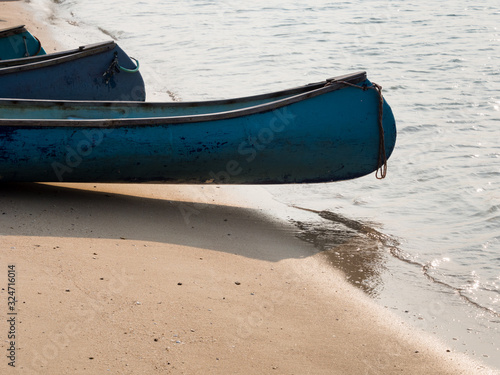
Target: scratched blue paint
(71, 79)
(14, 45)
(332, 136)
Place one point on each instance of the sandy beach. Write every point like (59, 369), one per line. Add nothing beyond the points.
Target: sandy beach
(170, 279)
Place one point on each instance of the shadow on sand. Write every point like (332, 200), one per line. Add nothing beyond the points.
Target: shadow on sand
(354, 247)
(30, 209)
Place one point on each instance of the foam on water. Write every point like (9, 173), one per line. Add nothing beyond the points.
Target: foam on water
(434, 222)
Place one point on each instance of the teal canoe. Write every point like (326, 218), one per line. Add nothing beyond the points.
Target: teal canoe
(101, 71)
(17, 42)
(333, 130)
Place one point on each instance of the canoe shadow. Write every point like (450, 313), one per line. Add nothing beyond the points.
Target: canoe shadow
(39, 210)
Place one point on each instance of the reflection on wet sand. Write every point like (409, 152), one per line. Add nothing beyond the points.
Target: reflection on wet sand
(352, 246)
(361, 252)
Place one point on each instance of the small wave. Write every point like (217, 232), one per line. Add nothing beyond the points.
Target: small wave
(349, 245)
(389, 243)
(174, 96)
(109, 33)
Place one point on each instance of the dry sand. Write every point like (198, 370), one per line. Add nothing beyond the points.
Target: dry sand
(147, 279)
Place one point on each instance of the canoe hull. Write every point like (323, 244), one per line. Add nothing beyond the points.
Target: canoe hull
(76, 76)
(329, 137)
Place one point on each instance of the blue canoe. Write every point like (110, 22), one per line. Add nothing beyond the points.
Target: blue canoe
(17, 42)
(321, 132)
(94, 72)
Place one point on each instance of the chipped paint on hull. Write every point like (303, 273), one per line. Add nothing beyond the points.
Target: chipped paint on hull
(319, 135)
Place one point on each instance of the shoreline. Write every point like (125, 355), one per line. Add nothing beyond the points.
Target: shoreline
(125, 282)
(178, 279)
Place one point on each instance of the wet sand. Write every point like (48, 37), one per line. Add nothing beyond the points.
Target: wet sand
(146, 279)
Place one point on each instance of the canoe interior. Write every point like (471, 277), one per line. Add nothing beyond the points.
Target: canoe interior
(89, 110)
(17, 43)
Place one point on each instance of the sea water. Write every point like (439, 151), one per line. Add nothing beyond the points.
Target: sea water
(425, 241)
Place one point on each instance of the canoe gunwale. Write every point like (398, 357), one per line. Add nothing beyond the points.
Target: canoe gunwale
(352, 77)
(297, 94)
(40, 61)
(4, 33)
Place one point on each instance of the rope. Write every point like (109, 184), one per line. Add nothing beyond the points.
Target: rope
(382, 157)
(112, 69)
(115, 67)
(26, 54)
(39, 46)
